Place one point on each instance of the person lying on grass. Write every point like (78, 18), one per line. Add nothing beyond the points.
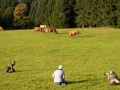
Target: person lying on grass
(59, 76)
(9, 68)
(112, 77)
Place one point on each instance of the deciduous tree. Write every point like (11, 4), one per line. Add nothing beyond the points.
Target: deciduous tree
(20, 16)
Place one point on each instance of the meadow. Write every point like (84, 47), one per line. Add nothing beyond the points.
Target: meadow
(85, 59)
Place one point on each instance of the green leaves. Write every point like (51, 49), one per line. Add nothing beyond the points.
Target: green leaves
(60, 13)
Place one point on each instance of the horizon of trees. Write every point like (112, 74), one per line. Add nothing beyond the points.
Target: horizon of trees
(18, 14)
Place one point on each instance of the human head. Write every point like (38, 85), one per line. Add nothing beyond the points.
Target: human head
(13, 62)
(60, 67)
(111, 72)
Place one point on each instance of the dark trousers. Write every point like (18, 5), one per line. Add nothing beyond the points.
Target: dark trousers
(9, 70)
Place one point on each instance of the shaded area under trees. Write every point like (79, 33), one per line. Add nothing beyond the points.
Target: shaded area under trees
(60, 13)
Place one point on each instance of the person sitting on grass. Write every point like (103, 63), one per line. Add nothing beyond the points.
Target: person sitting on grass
(59, 76)
(9, 68)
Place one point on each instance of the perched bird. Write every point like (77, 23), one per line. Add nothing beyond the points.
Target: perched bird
(48, 62)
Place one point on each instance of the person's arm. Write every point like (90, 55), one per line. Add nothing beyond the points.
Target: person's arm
(53, 75)
(116, 76)
(108, 77)
(11, 66)
(63, 75)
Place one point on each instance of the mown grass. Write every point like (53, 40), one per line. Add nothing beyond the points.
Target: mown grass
(85, 58)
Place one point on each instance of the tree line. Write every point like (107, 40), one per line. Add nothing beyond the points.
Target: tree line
(18, 14)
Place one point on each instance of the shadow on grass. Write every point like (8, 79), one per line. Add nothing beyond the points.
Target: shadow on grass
(86, 36)
(19, 71)
(63, 33)
(73, 82)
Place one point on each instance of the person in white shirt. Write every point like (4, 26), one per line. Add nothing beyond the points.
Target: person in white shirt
(59, 76)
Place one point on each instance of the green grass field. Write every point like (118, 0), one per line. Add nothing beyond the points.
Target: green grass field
(85, 58)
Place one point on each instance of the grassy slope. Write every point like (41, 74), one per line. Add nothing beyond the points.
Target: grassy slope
(85, 59)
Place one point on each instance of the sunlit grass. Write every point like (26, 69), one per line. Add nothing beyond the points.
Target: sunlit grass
(85, 58)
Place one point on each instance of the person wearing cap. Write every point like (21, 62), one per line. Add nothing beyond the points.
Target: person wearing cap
(59, 76)
(113, 78)
(9, 68)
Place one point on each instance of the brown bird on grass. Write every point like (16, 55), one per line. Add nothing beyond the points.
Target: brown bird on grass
(48, 62)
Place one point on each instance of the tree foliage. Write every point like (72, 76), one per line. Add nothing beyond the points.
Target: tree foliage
(20, 16)
(6, 12)
(60, 13)
(37, 12)
(7, 17)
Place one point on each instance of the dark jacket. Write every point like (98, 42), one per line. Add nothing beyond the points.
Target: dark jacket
(9, 68)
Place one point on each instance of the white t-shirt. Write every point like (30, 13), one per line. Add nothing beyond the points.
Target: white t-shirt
(58, 76)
